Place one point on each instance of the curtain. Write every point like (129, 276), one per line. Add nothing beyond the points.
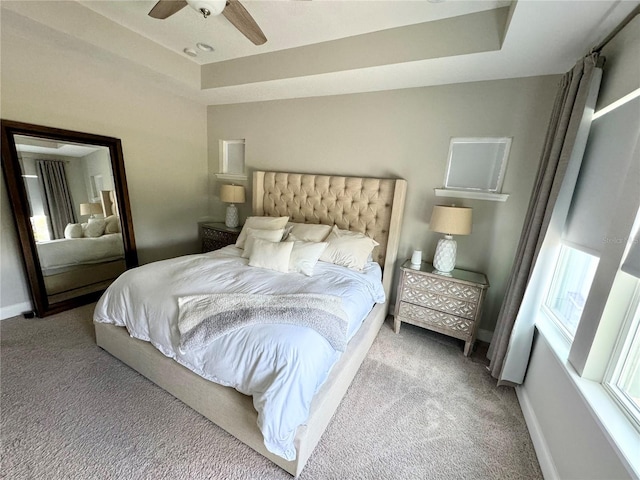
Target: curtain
(566, 139)
(58, 205)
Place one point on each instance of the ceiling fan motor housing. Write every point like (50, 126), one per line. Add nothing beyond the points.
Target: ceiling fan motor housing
(208, 7)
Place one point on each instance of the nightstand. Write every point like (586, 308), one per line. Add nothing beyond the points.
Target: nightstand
(217, 235)
(448, 304)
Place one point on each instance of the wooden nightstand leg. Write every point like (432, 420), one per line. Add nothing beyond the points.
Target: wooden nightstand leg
(396, 324)
(468, 347)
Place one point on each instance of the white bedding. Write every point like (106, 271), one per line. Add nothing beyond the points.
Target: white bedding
(67, 252)
(281, 366)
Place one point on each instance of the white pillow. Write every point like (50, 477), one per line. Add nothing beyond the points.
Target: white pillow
(271, 255)
(307, 232)
(95, 228)
(262, 223)
(349, 249)
(112, 224)
(73, 230)
(305, 255)
(253, 233)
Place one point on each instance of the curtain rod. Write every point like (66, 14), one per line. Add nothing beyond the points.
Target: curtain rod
(616, 30)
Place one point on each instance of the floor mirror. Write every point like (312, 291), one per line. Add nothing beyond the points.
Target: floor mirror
(68, 193)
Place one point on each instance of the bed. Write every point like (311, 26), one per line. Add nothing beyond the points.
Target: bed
(366, 205)
(72, 265)
(83, 263)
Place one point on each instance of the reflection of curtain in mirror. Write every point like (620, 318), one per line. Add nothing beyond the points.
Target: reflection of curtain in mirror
(58, 204)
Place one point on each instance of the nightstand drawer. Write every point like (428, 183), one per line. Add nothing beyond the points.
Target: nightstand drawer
(449, 304)
(439, 302)
(436, 320)
(217, 235)
(443, 286)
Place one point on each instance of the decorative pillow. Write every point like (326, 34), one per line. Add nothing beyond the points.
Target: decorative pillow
(73, 230)
(271, 255)
(308, 232)
(95, 228)
(263, 223)
(253, 233)
(305, 255)
(112, 224)
(349, 249)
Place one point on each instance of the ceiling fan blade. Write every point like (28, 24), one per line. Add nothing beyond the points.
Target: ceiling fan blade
(243, 21)
(165, 8)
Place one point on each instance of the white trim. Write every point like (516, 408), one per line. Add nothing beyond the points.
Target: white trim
(608, 417)
(476, 195)
(11, 311)
(545, 459)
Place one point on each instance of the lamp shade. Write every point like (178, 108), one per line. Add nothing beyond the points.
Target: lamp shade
(90, 208)
(232, 193)
(451, 220)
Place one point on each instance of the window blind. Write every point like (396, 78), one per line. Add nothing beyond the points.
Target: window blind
(606, 160)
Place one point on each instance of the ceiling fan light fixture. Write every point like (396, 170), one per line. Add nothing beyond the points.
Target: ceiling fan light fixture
(208, 7)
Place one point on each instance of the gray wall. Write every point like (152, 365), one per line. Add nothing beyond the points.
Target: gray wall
(405, 133)
(61, 83)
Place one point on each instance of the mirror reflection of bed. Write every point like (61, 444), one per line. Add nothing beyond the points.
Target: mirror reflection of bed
(74, 215)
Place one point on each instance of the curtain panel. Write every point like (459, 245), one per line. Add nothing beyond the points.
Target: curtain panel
(563, 148)
(58, 204)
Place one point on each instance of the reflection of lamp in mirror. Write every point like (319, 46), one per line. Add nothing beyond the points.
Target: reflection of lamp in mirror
(90, 209)
(450, 220)
(232, 194)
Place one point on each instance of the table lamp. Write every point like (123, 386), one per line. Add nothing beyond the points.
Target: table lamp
(232, 194)
(450, 220)
(90, 209)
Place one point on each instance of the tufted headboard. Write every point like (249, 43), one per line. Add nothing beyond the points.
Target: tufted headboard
(373, 206)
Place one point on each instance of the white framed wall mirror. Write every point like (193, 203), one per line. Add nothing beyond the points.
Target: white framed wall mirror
(69, 197)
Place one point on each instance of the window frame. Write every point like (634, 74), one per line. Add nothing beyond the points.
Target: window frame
(628, 333)
(559, 267)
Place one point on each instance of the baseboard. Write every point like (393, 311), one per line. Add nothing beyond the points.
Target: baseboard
(14, 310)
(543, 452)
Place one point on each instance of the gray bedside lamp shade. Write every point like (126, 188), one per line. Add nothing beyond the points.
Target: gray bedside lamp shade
(232, 194)
(450, 220)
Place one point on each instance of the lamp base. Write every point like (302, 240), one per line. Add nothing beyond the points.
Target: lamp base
(444, 259)
(232, 220)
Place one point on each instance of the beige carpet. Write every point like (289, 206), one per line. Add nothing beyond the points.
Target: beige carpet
(418, 409)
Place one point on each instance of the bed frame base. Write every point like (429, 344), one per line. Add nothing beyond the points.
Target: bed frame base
(233, 411)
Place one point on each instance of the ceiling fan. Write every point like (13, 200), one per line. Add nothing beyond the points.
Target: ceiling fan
(231, 9)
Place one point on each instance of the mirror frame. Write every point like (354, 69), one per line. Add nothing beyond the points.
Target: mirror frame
(20, 206)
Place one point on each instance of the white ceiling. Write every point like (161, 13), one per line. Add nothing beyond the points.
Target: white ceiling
(286, 23)
(543, 37)
(27, 144)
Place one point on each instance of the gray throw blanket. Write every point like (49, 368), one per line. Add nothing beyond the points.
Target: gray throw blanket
(204, 318)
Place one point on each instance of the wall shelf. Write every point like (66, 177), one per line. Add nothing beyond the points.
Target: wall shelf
(476, 195)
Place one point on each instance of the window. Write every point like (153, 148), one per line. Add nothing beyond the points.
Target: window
(570, 287)
(40, 227)
(476, 168)
(232, 165)
(623, 377)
